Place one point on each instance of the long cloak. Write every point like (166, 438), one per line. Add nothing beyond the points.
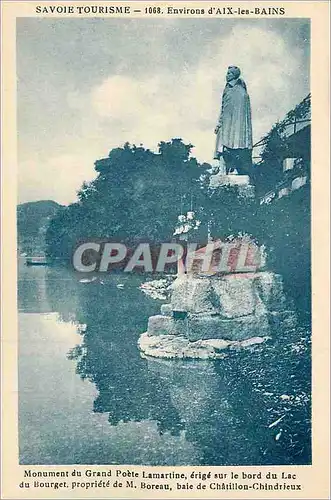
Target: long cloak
(235, 121)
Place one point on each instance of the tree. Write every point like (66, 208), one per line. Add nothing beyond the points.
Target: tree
(136, 196)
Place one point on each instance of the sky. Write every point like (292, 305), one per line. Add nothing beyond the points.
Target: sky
(85, 86)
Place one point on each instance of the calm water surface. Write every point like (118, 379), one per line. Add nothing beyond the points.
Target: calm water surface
(86, 396)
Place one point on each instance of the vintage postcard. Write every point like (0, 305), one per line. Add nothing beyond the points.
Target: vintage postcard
(165, 250)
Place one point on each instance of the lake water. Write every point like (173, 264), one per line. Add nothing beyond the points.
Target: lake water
(86, 396)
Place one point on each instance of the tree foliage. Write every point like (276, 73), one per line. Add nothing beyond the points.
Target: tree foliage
(136, 196)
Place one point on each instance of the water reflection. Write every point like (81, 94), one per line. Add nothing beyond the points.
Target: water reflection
(144, 411)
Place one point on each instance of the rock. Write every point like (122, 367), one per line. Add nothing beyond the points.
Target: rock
(214, 327)
(240, 181)
(159, 325)
(298, 182)
(282, 319)
(168, 346)
(231, 296)
(193, 295)
(180, 289)
(166, 310)
(270, 288)
(157, 289)
(248, 342)
(221, 179)
(208, 315)
(217, 344)
(236, 296)
(240, 254)
(166, 325)
(179, 327)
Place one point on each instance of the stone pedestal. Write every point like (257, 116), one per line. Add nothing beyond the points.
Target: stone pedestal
(240, 181)
(209, 315)
(230, 179)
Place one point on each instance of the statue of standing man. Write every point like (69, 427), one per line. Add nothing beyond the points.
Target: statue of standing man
(234, 128)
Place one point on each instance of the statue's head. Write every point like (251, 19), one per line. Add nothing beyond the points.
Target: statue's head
(233, 73)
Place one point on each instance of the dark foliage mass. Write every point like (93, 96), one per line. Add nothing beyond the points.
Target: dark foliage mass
(284, 226)
(136, 196)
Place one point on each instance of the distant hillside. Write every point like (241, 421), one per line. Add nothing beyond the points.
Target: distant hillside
(32, 222)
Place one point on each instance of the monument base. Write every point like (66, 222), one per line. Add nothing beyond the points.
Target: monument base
(240, 181)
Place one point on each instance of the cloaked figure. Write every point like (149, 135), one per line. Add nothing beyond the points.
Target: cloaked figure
(234, 127)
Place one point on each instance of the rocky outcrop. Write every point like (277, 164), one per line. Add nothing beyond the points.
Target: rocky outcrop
(171, 346)
(208, 315)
